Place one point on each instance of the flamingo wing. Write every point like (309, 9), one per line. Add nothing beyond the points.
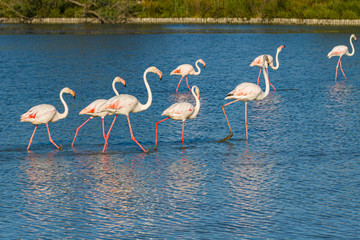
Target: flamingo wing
(245, 91)
(93, 107)
(39, 114)
(121, 104)
(338, 51)
(258, 60)
(179, 111)
(182, 70)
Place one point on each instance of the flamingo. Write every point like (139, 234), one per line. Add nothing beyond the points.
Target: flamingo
(258, 62)
(340, 51)
(186, 69)
(247, 92)
(93, 109)
(45, 113)
(125, 103)
(181, 111)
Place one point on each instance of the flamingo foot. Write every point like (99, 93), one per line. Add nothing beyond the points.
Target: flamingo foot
(226, 138)
(60, 148)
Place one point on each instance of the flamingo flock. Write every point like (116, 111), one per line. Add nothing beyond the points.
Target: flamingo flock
(123, 104)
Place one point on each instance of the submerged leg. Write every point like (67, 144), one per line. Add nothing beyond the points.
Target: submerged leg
(179, 84)
(132, 135)
(77, 130)
(156, 126)
(182, 135)
(107, 135)
(231, 133)
(47, 126)
(32, 137)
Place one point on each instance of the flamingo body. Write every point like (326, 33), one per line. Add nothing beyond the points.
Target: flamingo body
(45, 113)
(186, 69)
(258, 61)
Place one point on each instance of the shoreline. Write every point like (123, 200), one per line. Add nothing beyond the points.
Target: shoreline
(275, 21)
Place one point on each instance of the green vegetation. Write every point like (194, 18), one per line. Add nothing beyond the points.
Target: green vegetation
(111, 11)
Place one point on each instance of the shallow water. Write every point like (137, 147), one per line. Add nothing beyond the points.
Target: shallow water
(296, 177)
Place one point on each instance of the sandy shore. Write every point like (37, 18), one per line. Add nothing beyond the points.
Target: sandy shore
(286, 21)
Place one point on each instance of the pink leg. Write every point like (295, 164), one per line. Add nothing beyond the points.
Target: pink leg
(47, 126)
(77, 130)
(337, 68)
(179, 84)
(187, 84)
(231, 133)
(182, 135)
(103, 128)
(132, 136)
(32, 137)
(246, 124)
(259, 76)
(342, 70)
(107, 135)
(156, 126)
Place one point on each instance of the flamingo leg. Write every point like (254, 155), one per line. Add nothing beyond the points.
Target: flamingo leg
(47, 126)
(156, 126)
(342, 70)
(107, 135)
(179, 84)
(231, 133)
(337, 68)
(132, 135)
(246, 124)
(32, 138)
(187, 83)
(103, 128)
(182, 135)
(77, 130)
(259, 76)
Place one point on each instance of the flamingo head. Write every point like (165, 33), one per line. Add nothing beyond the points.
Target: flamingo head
(280, 48)
(202, 62)
(155, 70)
(68, 90)
(353, 36)
(120, 80)
(197, 91)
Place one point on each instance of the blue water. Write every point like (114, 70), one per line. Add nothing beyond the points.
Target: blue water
(297, 177)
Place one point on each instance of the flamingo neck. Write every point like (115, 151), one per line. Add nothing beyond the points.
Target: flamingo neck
(352, 46)
(66, 109)
(277, 60)
(267, 85)
(197, 67)
(141, 107)
(197, 105)
(114, 88)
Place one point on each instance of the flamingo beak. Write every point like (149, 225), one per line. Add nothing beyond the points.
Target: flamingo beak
(355, 38)
(72, 93)
(160, 74)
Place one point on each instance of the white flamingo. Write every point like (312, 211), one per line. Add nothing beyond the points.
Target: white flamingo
(340, 51)
(93, 109)
(181, 111)
(258, 62)
(186, 69)
(247, 92)
(125, 104)
(45, 113)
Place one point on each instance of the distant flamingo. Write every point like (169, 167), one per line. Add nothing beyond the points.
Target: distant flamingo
(186, 69)
(124, 104)
(340, 51)
(93, 109)
(181, 111)
(258, 62)
(247, 92)
(45, 113)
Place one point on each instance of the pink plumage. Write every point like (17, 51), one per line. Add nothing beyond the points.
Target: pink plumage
(186, 69)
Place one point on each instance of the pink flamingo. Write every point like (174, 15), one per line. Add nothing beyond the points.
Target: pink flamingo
(258, 62)
(45, 113)
(181, 111)
(124, 104)
(93, 109)
(186, 69)
(340, 51)
(247, 92)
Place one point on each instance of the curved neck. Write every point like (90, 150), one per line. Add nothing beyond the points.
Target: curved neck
(352, 46)
(114, 88)
(197, 67)
(277, 60)
(267, 90)
(142, 107)
(66, 109)
(197, 105)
